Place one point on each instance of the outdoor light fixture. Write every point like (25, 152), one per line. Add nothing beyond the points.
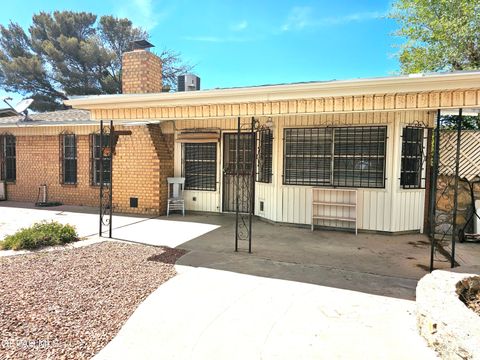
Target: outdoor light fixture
(269, 123)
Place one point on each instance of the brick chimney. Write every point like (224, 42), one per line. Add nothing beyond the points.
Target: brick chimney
(141, 70)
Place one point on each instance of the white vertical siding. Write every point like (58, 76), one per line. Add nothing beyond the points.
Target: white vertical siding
(390, 209)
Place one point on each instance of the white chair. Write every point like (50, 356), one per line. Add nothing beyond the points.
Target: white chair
(175, 194)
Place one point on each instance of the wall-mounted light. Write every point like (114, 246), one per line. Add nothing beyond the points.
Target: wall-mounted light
(269, 123)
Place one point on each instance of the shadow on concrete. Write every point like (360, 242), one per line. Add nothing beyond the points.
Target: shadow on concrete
(377, 264)
(388, 265)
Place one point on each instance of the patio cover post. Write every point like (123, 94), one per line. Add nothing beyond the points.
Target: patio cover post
(100, 177)
(252, 184)
(110, 202)
(455, 194)
(237, 183)
(433, 189)
(105, 190)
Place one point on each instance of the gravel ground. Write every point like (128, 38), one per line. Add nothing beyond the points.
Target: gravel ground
(69, 304)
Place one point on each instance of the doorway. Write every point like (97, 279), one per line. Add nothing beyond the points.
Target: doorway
(245, 163)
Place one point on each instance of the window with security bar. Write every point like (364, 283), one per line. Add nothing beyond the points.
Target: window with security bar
(414, 146)
(200, 166)
(359, 156)
(8, 161)
(264, 159)
(335, 156)
(68, 150)
(96, 159)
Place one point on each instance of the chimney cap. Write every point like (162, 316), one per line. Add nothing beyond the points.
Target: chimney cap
(141, 44)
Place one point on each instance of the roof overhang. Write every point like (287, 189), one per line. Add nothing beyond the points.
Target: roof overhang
(388, 85)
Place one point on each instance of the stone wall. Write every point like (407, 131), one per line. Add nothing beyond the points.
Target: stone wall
(445, 201)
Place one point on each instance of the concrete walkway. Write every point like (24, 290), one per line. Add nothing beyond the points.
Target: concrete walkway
(151, 231)
(212, 314)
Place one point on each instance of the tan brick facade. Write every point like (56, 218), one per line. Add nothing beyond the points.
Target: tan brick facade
(141, 72)
(38, 162)
(142, 161)
(141, 164)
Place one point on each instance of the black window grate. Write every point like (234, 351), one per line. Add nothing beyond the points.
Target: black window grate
(95, 165)
(264, 158)
(200, 166)
(413, 172)
(307, 156)
(340, 157)
(68, 161)
(8, 158)
(359, 156)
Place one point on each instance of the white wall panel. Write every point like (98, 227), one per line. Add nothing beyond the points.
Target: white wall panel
(390, 209)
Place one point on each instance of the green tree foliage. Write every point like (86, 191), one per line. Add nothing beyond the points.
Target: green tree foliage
(441, 35)
(450, 122)
(71, 53)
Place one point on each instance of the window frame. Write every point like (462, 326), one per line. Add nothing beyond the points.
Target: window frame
(421, 173)
(205, 184)
(95, 160)
(70, 159)
(265, 156)
(329, 155)
(6, 171)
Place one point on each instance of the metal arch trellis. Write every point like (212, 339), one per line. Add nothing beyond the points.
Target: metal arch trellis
(106, 152)
(244, 185)
(245, 177)
(443, 236)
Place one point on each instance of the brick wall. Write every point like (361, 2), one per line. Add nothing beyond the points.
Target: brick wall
(38, 162)
(141, 164)
(141, 72)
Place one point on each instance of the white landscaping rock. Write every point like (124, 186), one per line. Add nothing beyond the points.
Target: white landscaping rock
(451, 328)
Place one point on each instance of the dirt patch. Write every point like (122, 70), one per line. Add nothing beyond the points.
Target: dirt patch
(468, 291)
(70, 304)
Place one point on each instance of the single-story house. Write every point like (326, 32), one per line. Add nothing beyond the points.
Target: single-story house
(336, 153)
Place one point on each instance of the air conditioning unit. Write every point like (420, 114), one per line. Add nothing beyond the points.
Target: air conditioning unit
(3, 191)
(188, 82)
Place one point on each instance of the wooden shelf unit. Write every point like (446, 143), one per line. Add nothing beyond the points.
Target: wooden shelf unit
(334, 205)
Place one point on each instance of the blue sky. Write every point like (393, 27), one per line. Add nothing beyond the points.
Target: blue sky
(241, 43)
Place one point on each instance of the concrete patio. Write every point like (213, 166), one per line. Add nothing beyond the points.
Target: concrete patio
(371, 263)
(291, 298)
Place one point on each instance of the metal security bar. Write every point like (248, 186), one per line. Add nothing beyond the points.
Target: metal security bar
(68, 159)
(308, 156)
(264, 158)
(414, 154)
(359, 156)
(101, 164)
(200, 166)
(2, 157)
(8, 162)
(341, 156)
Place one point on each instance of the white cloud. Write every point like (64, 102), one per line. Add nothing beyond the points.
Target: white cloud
(301, 17)
(242, 25)
(142, 13)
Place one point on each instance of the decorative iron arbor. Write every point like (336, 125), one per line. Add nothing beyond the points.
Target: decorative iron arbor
(445, 178)
(104, 165)
(246, 173)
